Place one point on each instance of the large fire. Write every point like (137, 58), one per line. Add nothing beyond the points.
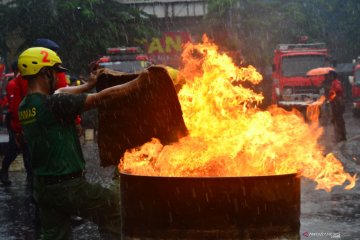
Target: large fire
(229, 135)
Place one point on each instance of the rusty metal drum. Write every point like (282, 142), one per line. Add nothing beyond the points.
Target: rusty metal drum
(210, 207)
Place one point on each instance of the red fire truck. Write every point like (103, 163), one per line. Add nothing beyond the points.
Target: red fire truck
(125, 59)
(355, 88)
(291, 88)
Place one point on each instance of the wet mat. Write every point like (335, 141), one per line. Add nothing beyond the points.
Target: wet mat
(152, 111)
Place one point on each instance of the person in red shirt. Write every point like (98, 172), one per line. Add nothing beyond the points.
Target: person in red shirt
(334, 91)
(16, 143)
(3, 101)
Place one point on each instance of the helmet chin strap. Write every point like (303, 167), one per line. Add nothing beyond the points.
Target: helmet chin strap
(51, 82)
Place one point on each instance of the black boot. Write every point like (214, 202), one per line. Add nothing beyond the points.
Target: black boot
(4, 178)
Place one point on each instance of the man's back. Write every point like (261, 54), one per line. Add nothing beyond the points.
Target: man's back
(49, 122)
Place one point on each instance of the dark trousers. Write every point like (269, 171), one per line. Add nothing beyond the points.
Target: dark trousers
(13, 151)
(77, 197)
(338, 109)
(339, 128)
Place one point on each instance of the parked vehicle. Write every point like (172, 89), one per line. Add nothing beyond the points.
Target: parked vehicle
(355, 88)
(291, 87)
(125, 59)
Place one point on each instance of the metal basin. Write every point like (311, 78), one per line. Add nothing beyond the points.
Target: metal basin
(210, 207)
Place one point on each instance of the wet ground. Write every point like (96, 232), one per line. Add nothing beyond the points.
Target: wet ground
(334, 215)
(17, 211)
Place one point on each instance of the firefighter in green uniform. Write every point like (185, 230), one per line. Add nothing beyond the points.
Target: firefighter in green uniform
(60, 187)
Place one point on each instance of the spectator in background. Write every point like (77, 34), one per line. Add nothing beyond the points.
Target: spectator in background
(335, 94)
(76, 81)
(16, 143)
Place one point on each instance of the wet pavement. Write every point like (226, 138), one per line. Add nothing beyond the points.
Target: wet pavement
(17, 216)
(334, 215)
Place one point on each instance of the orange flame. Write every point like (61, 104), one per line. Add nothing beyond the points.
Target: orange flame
(313, 110)
(229, 135)
(332, 95)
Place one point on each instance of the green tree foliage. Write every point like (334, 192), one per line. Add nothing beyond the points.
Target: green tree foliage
(82, 28)
(5, 28)
(85, 28)
(345, 28)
